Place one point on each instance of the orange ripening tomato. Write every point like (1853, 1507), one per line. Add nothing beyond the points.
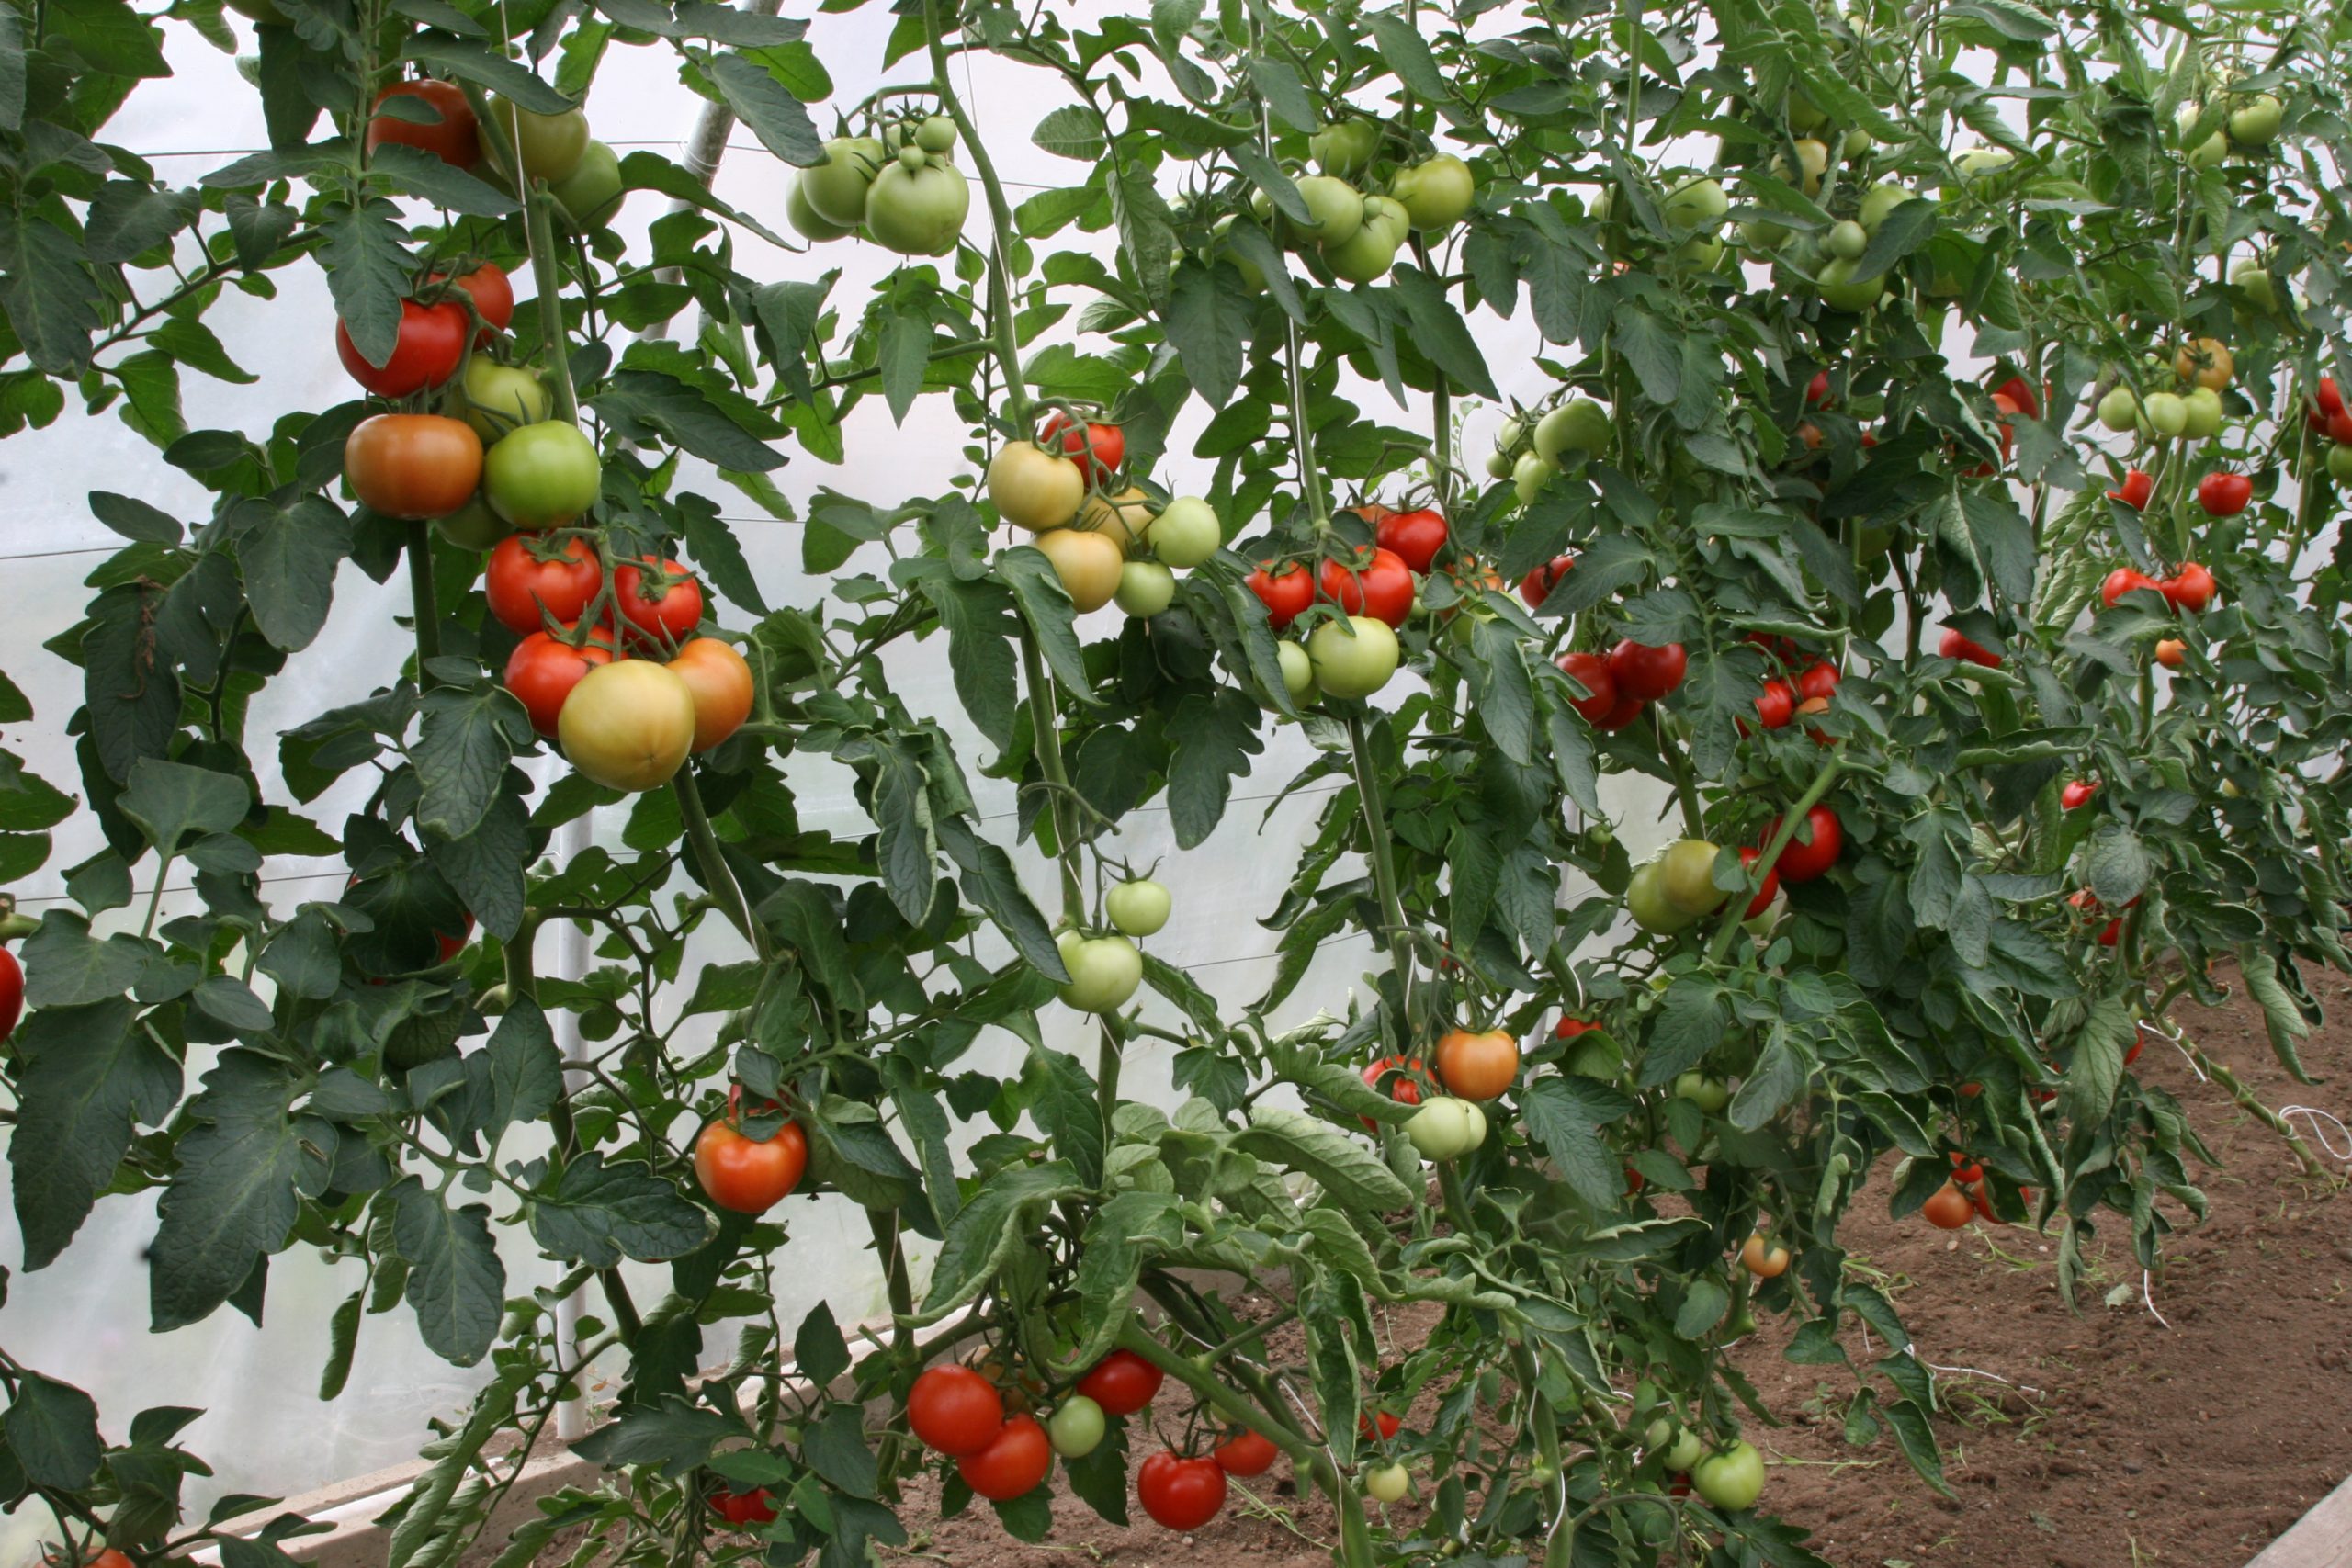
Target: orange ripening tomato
(1763, 1259)
(1477, 1066)
(721, 680)
(413, 465)
(750, 1175)
(1948, 1208)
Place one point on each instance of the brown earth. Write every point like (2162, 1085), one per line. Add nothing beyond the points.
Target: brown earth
(2102, 1439)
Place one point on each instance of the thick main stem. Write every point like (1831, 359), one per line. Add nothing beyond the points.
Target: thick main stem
(1042, 721)
(425, 605)
(1008, 343)
(1383, 866)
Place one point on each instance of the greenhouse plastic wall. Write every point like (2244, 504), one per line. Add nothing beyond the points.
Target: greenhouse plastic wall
(84, 1319)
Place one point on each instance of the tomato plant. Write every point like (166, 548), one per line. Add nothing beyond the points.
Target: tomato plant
(1838, 460)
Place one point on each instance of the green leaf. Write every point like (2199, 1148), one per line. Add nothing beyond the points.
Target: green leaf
(597, 1215)
(649, 406)
(365, 256)
(1566, 1114)
(903, 357)
(243, 1167)
(1216, 736)
(111, 36)
(526, 1069)
(12, 70)
(980, 625)
(1284, 94)
(462, 748)
(52, 1432)
(1407, 54)
(1903, 230)
(2115, 866)
(993, 884)
(766, 104)
(906, 847)
(1703, 1305)
(1352, 1174)
(836, 1449)
(991, 1227)
(1208, 316)
(455, 1282)
(66, 967)
(411, 171)
(1045, 605)
(475, 63)
(1438, 331)
(1062, 1099)
(49, 297)
(1651, 350)
(1689, 1026)
(1071, 132)
(2096, 1068)
(174, 803)
(1124, 1234)
(820, 1354)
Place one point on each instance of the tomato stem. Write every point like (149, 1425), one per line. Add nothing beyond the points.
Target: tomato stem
(715, 869)
(424, 603)
(1000, 323)
(1049, 760)
(1383, 868)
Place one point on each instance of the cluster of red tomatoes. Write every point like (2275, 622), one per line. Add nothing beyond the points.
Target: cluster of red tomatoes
(1805, 694)
(1965, 1197)
(1621, 683)
(2327, 416)
(2190, 590)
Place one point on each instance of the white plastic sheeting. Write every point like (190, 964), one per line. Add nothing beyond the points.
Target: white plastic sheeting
(84, 1318)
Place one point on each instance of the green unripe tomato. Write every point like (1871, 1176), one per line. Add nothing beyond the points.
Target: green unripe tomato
(1804, 115)
(2204, 406)
(1076, 1429)
(917, 205)
(1499, 464)
(1695, 203)
(2167, 413)
(1387, 1483)
(1366, 256)
(1762, 925)
(592, 194)
(1858, 142)
(2119, 409)
(1144, 589)
(1878, 201)
(1298, 672)
(836, 189)
(1345, 148)
(2339, 463)
(1335, 209)
(1509, 433)
(473, 526)
(1983, 162)
(495, 398)
(1842, 290)
(1685, 1450)
(912, 157)
(2255, 122)
(1686, 872)
(1529, 475)
(1732, 1479)
(1186, 532)
(1847, 240)
(542, 476)
(1445, 1128)
(936, 134)
(1762, 234)
(1352, 666)
(1139, 908)
(1700, 252)
(1646, 901)
(2204, 154)
(806, 221)
(1710, 1095)
(1104, 971)
(549, 145)
(1578, 425)
(2254, 286)
(1436, 194)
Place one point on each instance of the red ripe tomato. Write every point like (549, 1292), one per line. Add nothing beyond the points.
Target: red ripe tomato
(2330, 400)
(431, 345)
(1965, 1170)
(1801, 862)
(1818, 682)
(543, 669)
(666, 608)
(1478, 1066)
(1012, 1464)
(12, 993)
(413, 465)
(523, 587)
(744, 1507)
(1627, 710)
(1180, 1494)
(1405, 1082)
(1122, 1383)
(750, 1175)
(1380, 1422)
(1382, 587)
(1537, 586)
(2138, 1044)
(2020, 395)
(1956, 646)
(1106, 445)
(1413, 538)
(450, 946)
(2339, 426)
(1816, 391)
(2122, 581)
(1246, 1453)
(2077, 793)
(1775, 705)
(1570, 1028)
(1633, 1181)
(954, 1411)
(2192, 589)
(1646, 673)
(2138, 488)
(492, 293)
(1591, 670)
(1948, 1208)
(2224, 494)
(1764, 894)
(453, 138)
(1285, 594)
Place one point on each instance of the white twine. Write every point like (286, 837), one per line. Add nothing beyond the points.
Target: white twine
(1994, 1377)
(2321, 1120)
(2148, 1300)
